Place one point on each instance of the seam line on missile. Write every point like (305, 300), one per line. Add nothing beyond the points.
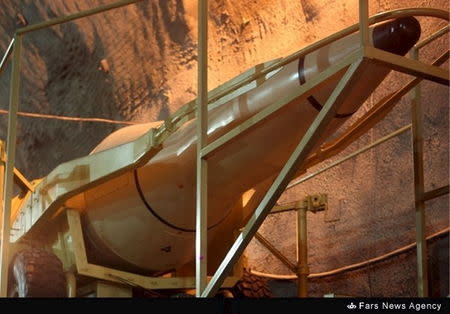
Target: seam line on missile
(311, 99)
(141, 195)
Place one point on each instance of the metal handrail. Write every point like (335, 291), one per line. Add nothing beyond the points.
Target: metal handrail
(432, 37)
(221, 91)
(356, 153)
(75, 16)
(60, 20)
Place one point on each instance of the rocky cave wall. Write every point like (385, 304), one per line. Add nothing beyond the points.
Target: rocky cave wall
(150, 48)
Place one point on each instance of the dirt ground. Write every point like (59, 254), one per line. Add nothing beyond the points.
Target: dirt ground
(150, 49)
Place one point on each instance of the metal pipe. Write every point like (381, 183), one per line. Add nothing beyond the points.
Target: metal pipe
(66, 118)
(302, 252)
(6, 55)
(75, 16)
(286, 207)
(435, 193)
(9, 173)
(276, 252)
(417, 143)
(356, 153)
(292, 165)
(355, 266)
(432, 37)
(202, 165)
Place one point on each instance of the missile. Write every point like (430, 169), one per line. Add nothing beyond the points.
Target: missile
(144, 220)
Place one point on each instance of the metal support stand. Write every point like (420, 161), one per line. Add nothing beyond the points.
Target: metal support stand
(302, 252)
(9, 171)
(202, 164)
(83, 267)
(417, 142)
(312, 203)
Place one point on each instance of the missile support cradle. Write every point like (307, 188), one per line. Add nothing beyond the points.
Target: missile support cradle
(49, 213)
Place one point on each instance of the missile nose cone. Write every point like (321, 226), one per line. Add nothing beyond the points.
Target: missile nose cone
(397, 36)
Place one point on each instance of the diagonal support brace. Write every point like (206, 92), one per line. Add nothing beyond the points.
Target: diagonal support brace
(295, 161)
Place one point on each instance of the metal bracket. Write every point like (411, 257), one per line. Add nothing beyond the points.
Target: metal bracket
(316, 203)
(83, 267)
(313, 203)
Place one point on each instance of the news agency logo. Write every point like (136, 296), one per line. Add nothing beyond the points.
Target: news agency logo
(351, 306)
(417, 306)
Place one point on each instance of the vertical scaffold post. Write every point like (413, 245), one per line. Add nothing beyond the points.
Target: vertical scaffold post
(364, 22)
(417, 142)
(302, 252)
(202, 170)
(9, 169)
(3, 266)
(71, 282)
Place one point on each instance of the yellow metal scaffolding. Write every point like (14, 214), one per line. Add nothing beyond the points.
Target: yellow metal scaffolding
(298, 160)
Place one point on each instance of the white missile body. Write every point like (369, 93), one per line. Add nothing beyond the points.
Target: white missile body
(145, 220)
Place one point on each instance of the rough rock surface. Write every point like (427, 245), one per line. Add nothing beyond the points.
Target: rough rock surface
(150, 49)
